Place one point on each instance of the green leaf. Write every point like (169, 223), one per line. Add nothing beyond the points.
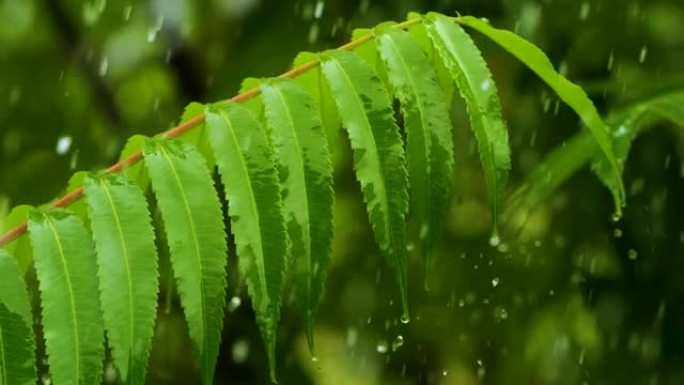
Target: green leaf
(198, 136)
(670, 107)
(428, 127)
(17, 342)
(127, 268)
(624, 128)
(560, 164)
(255, 105)
(475, 83)
(20, 248)
(64, 258)
(17, 358)
(78, 207)
(316, 85)
(193, 222)
(305, 172)
(379, 160)
(13, 288)
(135, 172)
(419, 33)
(250, 179)
(368, 51)
(568, 92)
(627, 124)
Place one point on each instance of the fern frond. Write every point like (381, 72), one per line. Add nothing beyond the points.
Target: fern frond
(475, 83)
(305, 172)
(127, 268)
(17, 342)
(379, 160)
(193, 222)
(250, 180)
(64, 257)
(427, 123)
(570, 93)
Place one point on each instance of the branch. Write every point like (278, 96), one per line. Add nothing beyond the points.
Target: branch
(191, 123)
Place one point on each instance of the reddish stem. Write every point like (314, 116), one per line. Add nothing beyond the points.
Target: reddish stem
(189, 124)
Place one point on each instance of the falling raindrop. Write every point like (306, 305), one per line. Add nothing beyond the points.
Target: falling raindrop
(500, 313)
(642, 54)
(352, 337)
(445, 372)
(494, 240)
(234, 303)
(381, 347)
(152, 32)
(424, 229)
(632, 254)
(313, 33)
(318, 11)
(584, 11)
(617, 233)
(63, 145)
(240, 351)
(495, 281)
(104, 66)
(611, 60)
(615, 217)
(127, 12)
(397, 343)
(73, 162)
(405, 318)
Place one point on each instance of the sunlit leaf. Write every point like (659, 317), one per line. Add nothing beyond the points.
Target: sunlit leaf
(379, 160)
(428, 127)
(127, 268)
(319, 89)
(67, 275)
(475, 83)
(250, 180)
(193, 222)
(305, 172)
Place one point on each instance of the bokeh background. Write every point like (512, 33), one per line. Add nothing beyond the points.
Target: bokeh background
(573, 298)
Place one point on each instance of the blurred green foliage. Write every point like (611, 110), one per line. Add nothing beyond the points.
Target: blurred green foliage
(572, 298)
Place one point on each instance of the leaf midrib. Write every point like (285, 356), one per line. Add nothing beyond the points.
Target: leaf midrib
(124, 249)
(195, 243)
(72, 300)
(253, 204)
(482, 115)
(426, 136)
(300, 157)
(386, 213)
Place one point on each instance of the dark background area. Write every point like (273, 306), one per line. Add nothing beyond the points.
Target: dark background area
(575, 298)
